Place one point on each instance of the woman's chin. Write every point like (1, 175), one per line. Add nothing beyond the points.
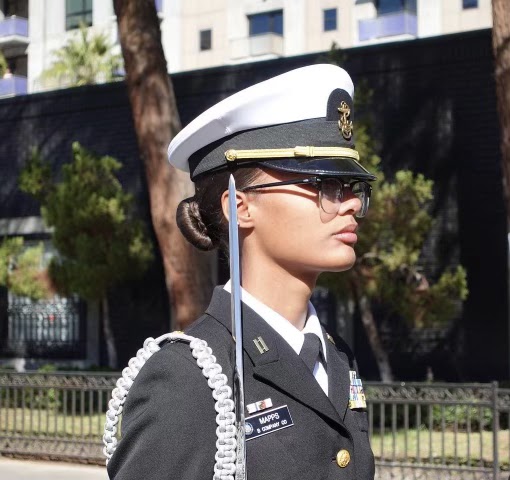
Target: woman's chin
(340, 266)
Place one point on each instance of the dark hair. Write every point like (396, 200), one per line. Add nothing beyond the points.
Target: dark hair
(200, 218)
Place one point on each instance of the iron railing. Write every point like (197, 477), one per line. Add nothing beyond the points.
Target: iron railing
(418, 430)
(439, 431)
(55, 415)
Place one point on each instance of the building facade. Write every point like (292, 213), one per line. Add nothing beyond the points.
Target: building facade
(197, 34)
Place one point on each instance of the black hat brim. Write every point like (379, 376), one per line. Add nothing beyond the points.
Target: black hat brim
(329, 166)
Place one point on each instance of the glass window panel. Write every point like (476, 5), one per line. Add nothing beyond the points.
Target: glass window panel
(259, 24)
(73, 6)
(469, 4)
(389, 6)
(277, 24)
(330, 17)
(205, 40)
(267, 22)
(395, 6)
(410, 6)
(77, 12)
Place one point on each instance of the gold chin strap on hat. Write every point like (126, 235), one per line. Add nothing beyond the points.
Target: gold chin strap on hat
(233, 155)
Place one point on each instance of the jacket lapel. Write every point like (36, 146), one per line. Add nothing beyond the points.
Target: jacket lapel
(339, 382)
(274, 361)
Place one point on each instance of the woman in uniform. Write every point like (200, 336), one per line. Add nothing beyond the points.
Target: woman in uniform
(288, 142)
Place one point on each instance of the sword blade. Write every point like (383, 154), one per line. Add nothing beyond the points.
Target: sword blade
(237, 329)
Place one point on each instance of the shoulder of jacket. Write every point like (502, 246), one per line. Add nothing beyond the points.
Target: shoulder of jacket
(342, 346)
(178, 353)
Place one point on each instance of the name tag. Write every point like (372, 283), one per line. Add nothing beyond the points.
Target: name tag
(268, 421)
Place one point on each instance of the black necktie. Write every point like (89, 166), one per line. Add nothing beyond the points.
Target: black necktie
(311, 350)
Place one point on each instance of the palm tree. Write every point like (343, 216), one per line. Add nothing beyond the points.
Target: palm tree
(3, 64)
(84, 60)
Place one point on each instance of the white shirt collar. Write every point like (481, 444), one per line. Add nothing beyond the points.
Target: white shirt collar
(294, 337)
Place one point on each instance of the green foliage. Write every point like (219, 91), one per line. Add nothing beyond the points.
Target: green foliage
(99, 241)
(85, 59)
(3, 64)
(392, 236)
(462, 417)
(35, 178)
(22, 269)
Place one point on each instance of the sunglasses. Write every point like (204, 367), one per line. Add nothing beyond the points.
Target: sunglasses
(331, 191)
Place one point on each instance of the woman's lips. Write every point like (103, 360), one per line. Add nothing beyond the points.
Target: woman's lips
(347, 237)
(348, 234)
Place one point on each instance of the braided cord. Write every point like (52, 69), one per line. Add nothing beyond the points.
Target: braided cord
(225, 466)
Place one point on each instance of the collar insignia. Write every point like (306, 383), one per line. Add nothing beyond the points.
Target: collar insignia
(261, 345)
(344, 124)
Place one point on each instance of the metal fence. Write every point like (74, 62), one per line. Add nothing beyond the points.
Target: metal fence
(440, 431)
(54, 415)
(418, 431)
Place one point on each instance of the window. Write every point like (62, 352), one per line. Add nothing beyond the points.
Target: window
(78, 12)
(469, 4)
(329, 19)
(395, 6)
(52, 328)
(267, 22)
(44, 328)
(205, 40)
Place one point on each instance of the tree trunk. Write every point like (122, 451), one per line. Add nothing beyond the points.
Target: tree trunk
(156, 121)
(501, 48)
(367, 318)
(111, 349)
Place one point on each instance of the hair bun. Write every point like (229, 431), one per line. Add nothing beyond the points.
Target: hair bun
(190, 223)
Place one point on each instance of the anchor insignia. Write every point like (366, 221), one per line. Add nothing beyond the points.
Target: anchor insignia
(344, 124)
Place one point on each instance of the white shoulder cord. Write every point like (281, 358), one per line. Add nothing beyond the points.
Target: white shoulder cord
(225, 457)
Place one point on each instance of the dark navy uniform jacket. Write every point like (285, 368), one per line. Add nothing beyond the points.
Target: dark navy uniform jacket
(169, 421)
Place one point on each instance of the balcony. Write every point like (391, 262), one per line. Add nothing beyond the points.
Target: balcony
(388, 25)
(266, 44)
(13, 32)
(11, 86)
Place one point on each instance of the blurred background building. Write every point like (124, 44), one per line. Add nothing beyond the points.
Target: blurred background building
(198, 34)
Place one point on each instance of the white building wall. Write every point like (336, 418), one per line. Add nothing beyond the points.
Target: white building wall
(456, 19)
(363, 10)
(294, 27)
(171, 34)
(182, 20)
(46, 26)
(197, 16)
(429, 17)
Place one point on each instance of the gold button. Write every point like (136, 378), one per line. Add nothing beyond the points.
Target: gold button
(343, 458)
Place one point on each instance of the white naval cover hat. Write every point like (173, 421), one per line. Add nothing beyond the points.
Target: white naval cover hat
(300, 121)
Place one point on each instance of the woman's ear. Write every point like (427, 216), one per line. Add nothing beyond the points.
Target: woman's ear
(244, 218)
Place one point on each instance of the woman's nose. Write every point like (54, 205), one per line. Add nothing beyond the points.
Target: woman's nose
(350, 205)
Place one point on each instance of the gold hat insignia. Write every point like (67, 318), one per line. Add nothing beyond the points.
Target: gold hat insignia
(344, 124)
